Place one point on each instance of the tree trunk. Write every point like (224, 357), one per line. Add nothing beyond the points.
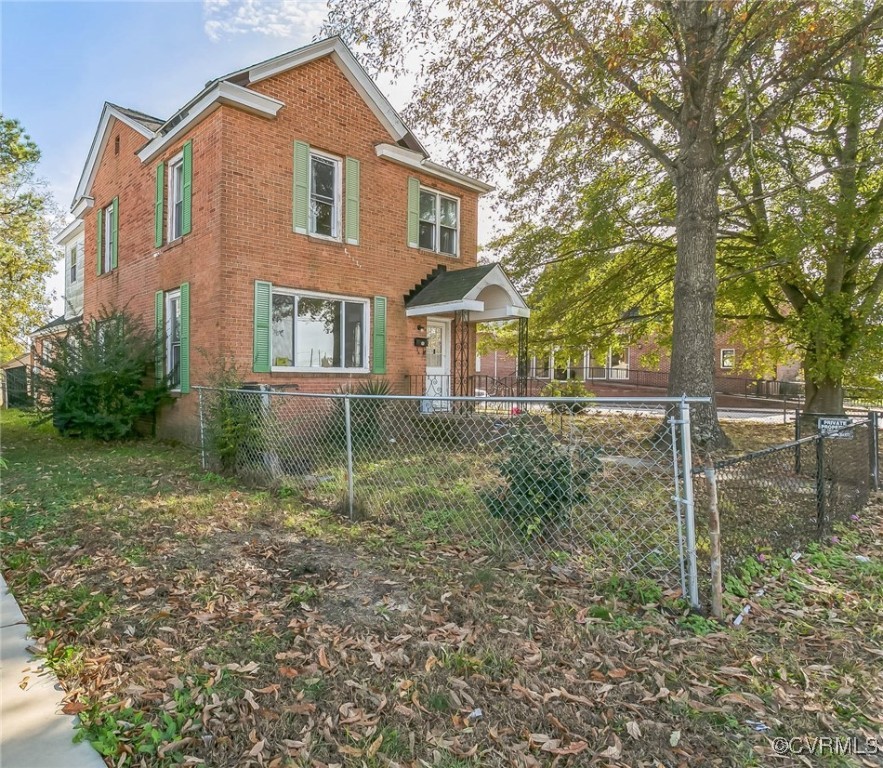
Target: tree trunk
(823, 397)
(695, 285)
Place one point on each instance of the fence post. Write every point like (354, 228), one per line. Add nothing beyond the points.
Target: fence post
(714, 540)
(687, 458)
(201, 433)
(347, 420)
(873, 449)
(821, 501)
(797, 436)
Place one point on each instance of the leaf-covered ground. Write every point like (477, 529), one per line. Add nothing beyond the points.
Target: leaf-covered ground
(194, 622)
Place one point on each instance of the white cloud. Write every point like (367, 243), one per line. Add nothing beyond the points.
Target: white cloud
(274, 18)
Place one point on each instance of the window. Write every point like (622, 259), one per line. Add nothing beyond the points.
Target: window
(176, 198)
(109, 245)
(439, 222)
(73, 263)
(324, 196)
(542, 366)
(173, 339)
(728, 359)
(318, 332)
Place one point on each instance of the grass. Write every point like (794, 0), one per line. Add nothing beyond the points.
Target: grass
(187, 616)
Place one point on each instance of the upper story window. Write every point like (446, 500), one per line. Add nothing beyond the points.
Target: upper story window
(439, 222)
(172, 202)
(324, 195)
(728, 359)
(73, 264)
(176, 198)
(109, 236)
(319, 332)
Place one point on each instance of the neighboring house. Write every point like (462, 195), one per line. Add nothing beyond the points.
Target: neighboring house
(285, 220)
(619, 371)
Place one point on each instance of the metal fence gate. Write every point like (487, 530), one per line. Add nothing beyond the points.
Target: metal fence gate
(601, 485)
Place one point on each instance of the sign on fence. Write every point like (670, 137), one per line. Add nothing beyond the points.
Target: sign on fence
(836, 426)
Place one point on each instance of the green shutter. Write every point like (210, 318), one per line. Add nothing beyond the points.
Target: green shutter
(301, 186)
(158, 205)
(378, 354)
(413, 212)
(115, 245)
(159, 331)
(263, 293)
(184, 366)
(353, 171)
(187, 188)
(99, 236)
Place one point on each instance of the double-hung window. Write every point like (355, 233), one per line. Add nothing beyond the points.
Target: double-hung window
(109, 237)
(439, 222)
(728, 359)
(73, 264)
(318, 332)
(173, 197)
(324, 195)
(173, 339)
(176, 198)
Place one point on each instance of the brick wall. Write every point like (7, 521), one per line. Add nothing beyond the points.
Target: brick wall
(242, 230)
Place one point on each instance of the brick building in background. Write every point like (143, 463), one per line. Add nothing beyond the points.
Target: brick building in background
(287, 222)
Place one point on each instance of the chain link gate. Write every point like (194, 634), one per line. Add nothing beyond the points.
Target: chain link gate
(602, 485)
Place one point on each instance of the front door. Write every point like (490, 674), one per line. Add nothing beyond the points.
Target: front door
(438, 365)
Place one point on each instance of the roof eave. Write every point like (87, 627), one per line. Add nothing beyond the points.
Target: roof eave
(412, 159)
(221, 93)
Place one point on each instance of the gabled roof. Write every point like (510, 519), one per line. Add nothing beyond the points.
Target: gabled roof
(232, 89)
(152, 124)
(486, 292)
(139, 124)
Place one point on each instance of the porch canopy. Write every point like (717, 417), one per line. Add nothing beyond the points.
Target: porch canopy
(485, 292)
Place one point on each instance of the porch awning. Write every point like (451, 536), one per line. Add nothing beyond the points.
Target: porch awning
(485, 292)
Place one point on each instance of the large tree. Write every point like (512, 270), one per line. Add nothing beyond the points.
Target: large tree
(537, 90)
(804, 236)
(26, 251)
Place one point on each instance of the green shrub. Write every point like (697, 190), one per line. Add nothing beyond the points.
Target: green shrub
(232, 419)
(98, 383)
(569, 388)
(544, 481)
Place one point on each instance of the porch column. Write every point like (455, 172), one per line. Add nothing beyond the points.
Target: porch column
(461, 353)
(523, 362)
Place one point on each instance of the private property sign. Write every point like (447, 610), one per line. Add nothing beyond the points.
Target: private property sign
(836, 426)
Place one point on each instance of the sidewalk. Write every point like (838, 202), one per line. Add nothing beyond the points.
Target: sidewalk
(33, 732)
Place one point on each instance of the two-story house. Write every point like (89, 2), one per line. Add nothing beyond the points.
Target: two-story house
(286, 221)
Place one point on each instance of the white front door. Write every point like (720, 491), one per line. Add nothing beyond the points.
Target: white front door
(438, 364)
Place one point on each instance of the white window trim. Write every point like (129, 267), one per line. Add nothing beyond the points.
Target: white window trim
(732, 365)
(438, 195)
(73, 267)
(336, 218)
(176, 162)
(169, 297)
(107, 245)
(366, 332)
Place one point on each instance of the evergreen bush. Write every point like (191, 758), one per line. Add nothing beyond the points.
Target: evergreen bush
(98, 382)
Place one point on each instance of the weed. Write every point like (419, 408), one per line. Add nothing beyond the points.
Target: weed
(699, 625)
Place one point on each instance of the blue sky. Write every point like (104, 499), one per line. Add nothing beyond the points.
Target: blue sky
(61, 61)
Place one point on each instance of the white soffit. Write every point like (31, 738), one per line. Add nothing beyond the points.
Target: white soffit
(221, 93)
(415, 160)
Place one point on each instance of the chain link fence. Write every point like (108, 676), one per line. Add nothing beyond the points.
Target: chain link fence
(597, 485)
(779, 499)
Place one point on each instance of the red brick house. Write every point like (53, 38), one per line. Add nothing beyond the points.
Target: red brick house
(286, 220)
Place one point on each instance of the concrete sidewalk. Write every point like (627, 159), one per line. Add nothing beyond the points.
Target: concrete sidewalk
(33, 731)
